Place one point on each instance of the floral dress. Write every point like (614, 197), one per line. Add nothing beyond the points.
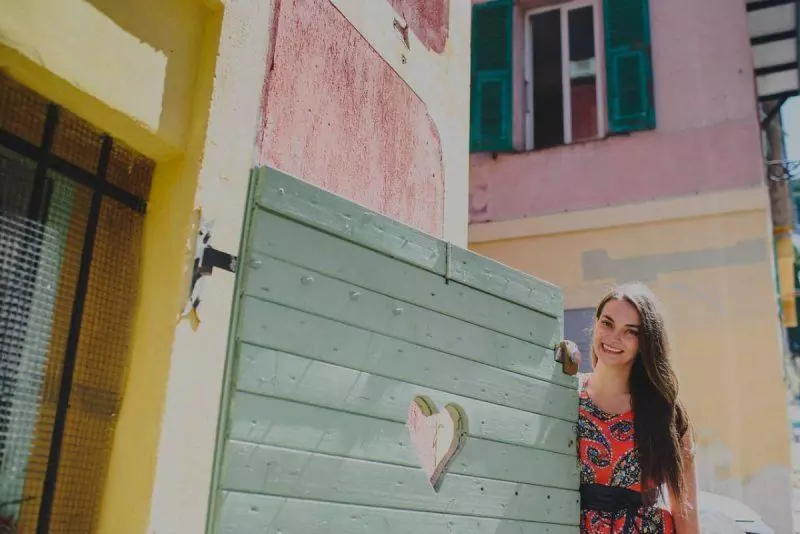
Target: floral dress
(608, 456)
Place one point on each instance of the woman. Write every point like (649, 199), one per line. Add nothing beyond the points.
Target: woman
(634, 439)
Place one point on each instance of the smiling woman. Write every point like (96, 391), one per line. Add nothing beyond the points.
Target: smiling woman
(634, 439)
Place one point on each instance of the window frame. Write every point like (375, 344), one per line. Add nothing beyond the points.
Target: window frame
(600, 69)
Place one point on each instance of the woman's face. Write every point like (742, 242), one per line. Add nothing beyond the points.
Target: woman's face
(616, 333)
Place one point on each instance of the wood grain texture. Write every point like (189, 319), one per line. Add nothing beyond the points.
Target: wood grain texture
(505, 282)
(298, 474)
(285, 240)
(306, 289)
(274, 421)
(326, 339)
(302, 202)
(342, 317)
(272, 373)
(247, 513)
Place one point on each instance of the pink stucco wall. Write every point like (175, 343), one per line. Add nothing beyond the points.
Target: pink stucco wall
(707, 135)
(337, 115)
(428, 19)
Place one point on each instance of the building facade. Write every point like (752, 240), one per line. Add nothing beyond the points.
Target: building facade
(615, 141)
(364, 98)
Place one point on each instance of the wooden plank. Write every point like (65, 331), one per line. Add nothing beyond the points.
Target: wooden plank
(270, 325)
(308, 290)
(230, 367)
(279, 238)
(487, 275)
(248, 513)
(296, 474)
(484, 347)
(276, 374)
(272, 421)
(286, 195)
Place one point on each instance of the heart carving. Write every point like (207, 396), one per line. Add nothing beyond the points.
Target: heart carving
(437, 436)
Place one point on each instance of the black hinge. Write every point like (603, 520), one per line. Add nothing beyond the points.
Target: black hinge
(216, 258)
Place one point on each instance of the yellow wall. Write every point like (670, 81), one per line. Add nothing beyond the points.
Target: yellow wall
(784, 255)
(142, 71)
(721, 311)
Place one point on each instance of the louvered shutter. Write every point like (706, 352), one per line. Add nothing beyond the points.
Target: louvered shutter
(629, 66)
(491, 102)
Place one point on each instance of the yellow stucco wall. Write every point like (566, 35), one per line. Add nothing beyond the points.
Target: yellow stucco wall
(141, 71)
(709, 259)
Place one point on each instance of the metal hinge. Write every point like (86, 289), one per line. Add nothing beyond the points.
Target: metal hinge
(206, 259)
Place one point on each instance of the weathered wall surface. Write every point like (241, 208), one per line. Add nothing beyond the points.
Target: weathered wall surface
(353, 101)
(707, 136)
(368, 117)
(329, 91)
(91, 51)
(709, 259)
(346, 121)
(141, 72)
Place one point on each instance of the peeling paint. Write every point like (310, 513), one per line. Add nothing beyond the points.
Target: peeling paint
(347, 121)
(428, 19)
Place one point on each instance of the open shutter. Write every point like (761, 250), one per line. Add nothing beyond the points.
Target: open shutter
(490, 123)
(629, 66)
(342, 319)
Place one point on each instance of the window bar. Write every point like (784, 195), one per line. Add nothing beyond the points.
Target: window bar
(71, 353)
(73, 172)
(566, 78)
(37, 210)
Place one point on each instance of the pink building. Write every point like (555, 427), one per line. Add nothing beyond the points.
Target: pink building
(616, 140)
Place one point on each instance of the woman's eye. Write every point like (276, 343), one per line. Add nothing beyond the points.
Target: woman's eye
(631, 333)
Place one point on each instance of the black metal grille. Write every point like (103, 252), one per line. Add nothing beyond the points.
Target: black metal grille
(72, 205)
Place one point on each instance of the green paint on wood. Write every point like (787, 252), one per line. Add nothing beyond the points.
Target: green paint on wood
(491, 106)
(298, 474)
(247, 513)
(341, 317)
(382, 274)
(629, 66)
(269, 420)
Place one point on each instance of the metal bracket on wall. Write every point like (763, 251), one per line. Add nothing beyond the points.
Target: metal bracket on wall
(206, 259)
(216, 258)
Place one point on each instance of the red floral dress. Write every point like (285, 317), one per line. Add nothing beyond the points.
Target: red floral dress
(608, 456)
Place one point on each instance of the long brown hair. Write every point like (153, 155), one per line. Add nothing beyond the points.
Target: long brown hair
(660, 421)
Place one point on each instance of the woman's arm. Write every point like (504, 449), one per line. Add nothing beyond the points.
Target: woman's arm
(687, 521)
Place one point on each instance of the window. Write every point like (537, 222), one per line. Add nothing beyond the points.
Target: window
(72, 205)
(563, 96)
(587, 72)
(491, 80)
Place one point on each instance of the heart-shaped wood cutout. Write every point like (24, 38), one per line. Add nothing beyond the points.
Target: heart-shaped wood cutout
(437, 436)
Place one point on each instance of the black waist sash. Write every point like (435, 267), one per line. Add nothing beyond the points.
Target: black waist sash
(610, 501)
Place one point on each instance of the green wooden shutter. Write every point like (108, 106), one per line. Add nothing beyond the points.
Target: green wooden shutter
(491, 95)
(343, 316)
(629, 66)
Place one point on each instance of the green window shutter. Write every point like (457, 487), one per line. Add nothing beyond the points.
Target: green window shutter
(629, 66)
(491, 102)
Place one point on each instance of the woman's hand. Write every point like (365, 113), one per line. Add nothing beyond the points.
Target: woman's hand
(568, 355)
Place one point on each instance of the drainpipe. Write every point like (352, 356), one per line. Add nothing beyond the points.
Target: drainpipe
(781, 206)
